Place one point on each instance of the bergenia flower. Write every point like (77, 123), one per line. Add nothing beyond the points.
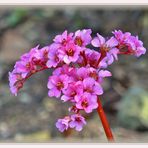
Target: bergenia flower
(87, 102)
(135, 46)
(99, 75)
(25, 67)
(92, 87)
(107, 47)
(130, 43)
(15, 82)
(64, 38)
(81, 73)
(77, 122)
(73, 90)
(121, 37)
(57, 84)
(65, 69)
(93, 57)
(41, 55)
(53, 56)
(69, 53)
(82, 38)
(63, 124)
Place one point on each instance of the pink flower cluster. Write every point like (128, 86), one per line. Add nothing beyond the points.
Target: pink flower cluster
(79, 70)
(29, 63)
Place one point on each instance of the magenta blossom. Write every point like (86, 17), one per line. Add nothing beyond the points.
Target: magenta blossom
(99, 75)
(56, 84)
(107, 47)
(41, 54)
(121, 37)
(65, 69)
(92, 87)
(87, 102)
(74, 89)
(63, 124)
(135, 46)
(93, 57)
(15, 82)
(53, 56)
(77, 122)
(81, 74)
(132, 44)
(82, 38)
(26, 64)
(69, 53)
(64, 38)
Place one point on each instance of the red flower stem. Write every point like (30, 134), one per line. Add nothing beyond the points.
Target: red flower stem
(104, 121)
(35, 72)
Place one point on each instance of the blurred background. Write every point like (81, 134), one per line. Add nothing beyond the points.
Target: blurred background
(31, 116)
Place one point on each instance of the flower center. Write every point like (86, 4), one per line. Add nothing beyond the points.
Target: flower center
(56, 58)
(93, 75)
(78, 119)
(64, 42)
(80, 78)
(45, 54)
(73, 94)
(105, 48)
(60, 85)
(88, 89)
(78, 41)
(28, 65)
(70, 52)
(18, 76)
(84, 103)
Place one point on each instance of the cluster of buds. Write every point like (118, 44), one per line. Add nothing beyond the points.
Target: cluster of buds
(79, 63)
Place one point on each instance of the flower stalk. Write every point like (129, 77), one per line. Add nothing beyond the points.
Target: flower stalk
(104, 121)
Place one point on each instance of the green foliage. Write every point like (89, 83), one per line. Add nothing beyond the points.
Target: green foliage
(16, 17)
(133, 111)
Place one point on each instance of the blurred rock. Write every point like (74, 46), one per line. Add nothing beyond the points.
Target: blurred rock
(39, 136)
(13, 46)
(25, 98)
(133, 109)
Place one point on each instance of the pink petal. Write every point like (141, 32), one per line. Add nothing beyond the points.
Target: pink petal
(88, 82)
(88, 109)
(78, 105)
(79, 128)
(95, 42)
(112, 42)
(140, 51)
(98, 41)
(98, 89)
(51, 63)
(110, 59)
(66, 59)
(50, 84)
(54, 92)
(65, 98)
(114, 52)
(104, 73)
(72, 124)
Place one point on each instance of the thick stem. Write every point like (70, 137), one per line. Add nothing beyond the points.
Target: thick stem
(104, 121)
